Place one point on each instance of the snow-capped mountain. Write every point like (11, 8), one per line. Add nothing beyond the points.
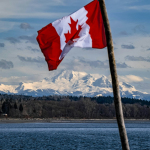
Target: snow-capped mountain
(73, 83)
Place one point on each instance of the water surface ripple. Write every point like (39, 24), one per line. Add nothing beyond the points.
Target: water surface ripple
(72, 136)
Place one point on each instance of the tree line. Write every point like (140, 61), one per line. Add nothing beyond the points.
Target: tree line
(71, 107)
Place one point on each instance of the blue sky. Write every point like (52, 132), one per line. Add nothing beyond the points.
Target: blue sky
(22, 61)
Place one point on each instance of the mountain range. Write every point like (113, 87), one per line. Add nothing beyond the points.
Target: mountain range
(75, 84)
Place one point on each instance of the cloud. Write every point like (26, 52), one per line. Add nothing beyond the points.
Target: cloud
(148, 49)
(101, 64)
(140, 8)
(94, 64)
(10, 79)
(13, 40)
(140, 58)
(25, 26)
(91, 49)
(30, 39)
(6, 64)
(42, 15)
(80, 63)
(122, 65)
(128, 46)
(139, 29)
(29, 9)
(6, 25)
(88, 48)
(147, 78)
(15, 80)
(123, 33)
(58, 2)
(33, 49)
(130, 78)
(29, 59)
(2, 44)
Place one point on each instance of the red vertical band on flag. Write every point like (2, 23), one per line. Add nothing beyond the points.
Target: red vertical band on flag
(49, 42)
(95, 21)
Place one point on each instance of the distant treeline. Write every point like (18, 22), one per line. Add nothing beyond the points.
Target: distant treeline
(20, 106)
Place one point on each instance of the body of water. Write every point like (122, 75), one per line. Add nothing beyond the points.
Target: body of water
(73, 136)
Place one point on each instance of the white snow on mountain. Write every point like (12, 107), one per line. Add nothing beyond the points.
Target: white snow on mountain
(7, 89)
(75, 84)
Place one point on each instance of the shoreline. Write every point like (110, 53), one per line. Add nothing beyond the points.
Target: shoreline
(52, 120)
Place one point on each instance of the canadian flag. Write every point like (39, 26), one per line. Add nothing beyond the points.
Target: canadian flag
(84, 28)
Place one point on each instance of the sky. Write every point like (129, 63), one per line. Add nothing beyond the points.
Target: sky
(21, 59)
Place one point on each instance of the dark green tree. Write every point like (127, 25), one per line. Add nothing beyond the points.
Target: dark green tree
(21, 107)
(15, 106)
(5, 107)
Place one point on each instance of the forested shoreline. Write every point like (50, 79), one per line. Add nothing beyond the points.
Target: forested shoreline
(70, 107)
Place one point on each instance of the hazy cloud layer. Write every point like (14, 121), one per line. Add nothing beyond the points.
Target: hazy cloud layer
(140, 58)
(13, 40)
(130, 78)
(17, 79)
(139, 29)
(80, 62)
(91, 49)
(88, 48)
(128, 46)
(141, 7)
(33, 49)
(148, 49)
(29, 9)
(123, 33)
(30, 39)
(29, 59)
(94, 64)
(4, 64)
(2, 44)
(122, 65)
(102, 64)
(25, 26)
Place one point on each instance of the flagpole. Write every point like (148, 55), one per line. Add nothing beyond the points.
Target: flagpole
(115, 83)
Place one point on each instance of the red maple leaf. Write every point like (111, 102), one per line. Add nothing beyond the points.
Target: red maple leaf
(74, 34)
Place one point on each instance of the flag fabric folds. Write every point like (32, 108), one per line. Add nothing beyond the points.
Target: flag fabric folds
(84, 28)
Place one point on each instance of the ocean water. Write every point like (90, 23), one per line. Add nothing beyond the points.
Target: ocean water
(73, 136)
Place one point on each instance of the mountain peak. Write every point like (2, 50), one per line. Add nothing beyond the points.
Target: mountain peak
(73, 83)
(103, 82)
(69, 75)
